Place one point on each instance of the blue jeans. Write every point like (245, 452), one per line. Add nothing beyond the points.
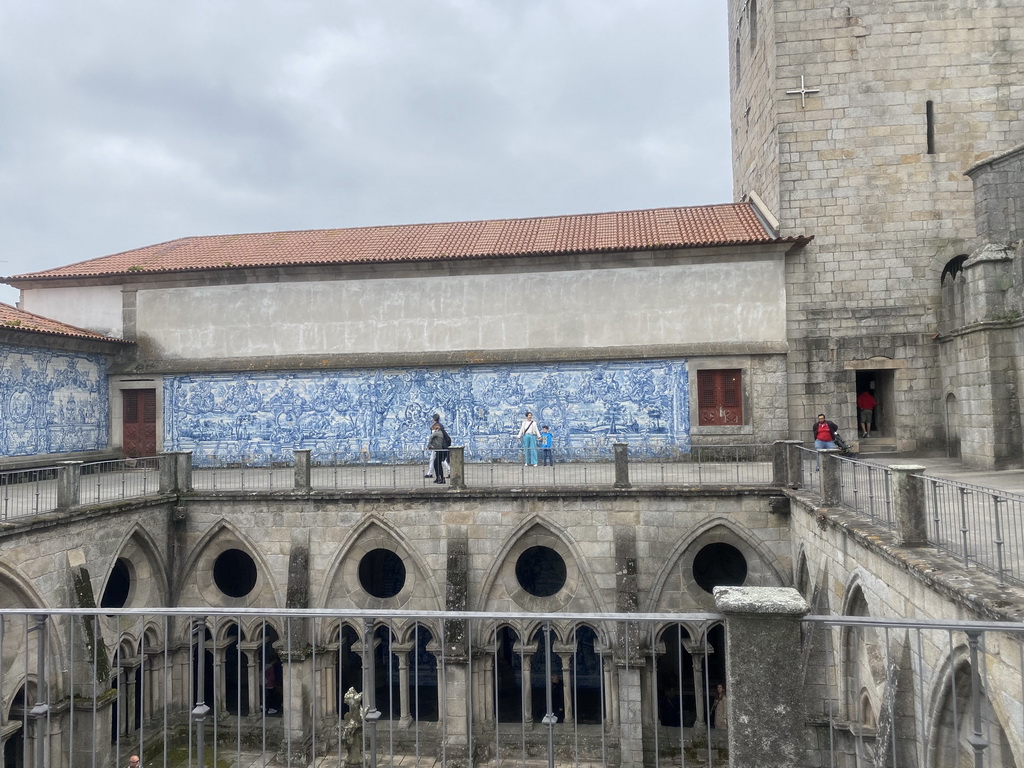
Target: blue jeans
(547, 457)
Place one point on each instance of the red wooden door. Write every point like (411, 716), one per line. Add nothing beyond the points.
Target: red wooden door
(139, 413)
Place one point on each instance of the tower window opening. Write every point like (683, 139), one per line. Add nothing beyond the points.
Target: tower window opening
(929, 116)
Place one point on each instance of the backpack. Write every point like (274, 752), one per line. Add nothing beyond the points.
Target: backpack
(446, 439)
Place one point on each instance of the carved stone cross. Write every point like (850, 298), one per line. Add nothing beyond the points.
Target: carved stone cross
(803, 91)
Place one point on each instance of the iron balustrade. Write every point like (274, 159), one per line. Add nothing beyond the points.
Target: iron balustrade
(184, 686)
(979, 526)
(26, 492)
(103, 481)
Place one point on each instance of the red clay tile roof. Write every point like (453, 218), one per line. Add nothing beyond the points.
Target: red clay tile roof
(661, 228)
(12, 318)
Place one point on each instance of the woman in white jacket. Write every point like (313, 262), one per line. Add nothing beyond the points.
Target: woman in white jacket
(529, 433)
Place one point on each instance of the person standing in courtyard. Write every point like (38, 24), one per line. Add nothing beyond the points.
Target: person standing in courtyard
(447, 442)
(865, 410)
(720, 709)
(529, 434)
(547, 455)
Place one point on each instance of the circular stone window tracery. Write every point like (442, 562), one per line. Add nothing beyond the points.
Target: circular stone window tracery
(541, 571)
(382, 573)
(234, 573)
(719, 565)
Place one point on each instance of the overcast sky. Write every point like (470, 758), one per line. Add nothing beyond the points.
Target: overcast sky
(124, 124)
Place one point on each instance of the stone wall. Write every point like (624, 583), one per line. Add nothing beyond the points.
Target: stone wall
(854, 170)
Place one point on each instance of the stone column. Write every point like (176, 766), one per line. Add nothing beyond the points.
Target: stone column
(401, 651)
(457, 460)
(527, 688)
(566, 659)
(698, 653)
(908, 505)
(622, 465)
(69, 484)
(763, 658)
(786, 464)
(302, 470)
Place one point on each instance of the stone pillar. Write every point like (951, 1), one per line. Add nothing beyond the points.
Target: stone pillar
(183, 474)
(527, 688)
(168, 469)
(69, 484)
(566, 658)
(631, 727)
(908, 504)
(762, 638)
(302, 470)
(622, 465)
(786, 463)
(697, 656)
(401, 651)
(457, 460)
(831, 489)
(455, 711)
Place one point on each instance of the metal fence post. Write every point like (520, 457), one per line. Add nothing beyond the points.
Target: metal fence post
(909, 510)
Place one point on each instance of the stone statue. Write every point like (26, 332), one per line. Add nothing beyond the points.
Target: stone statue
(352, 730)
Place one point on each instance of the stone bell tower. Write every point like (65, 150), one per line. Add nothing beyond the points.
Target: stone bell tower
(854, 122)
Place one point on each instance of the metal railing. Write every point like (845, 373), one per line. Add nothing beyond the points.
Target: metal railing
(26, 492)
(250, 687)
(905, 693)
(980, 527)
(866, 489)
(103, 481)
(506, 689)
(251, 474)
(707, 465)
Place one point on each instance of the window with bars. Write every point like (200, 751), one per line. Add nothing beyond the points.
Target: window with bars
(719, 397)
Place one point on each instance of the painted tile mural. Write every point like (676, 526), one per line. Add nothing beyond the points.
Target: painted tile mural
(374, 415)
(52, 401)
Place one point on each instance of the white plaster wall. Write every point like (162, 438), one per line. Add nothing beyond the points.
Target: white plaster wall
(95, 308)
(689, 303)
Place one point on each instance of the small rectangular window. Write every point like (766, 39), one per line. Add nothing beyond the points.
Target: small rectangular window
(719, 397)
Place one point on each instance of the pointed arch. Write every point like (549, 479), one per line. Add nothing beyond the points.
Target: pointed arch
(148, 569)
(223, 535)
(501, 590)
(343, 586)
(763, 566)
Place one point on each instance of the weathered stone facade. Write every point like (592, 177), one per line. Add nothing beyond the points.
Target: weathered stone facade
(900, 100)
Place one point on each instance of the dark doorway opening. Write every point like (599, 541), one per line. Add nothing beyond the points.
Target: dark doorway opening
(881, 386)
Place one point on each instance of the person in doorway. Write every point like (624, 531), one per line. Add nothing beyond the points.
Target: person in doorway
(436, 448)
(865, 410)
(824, 433)
(272, 685)
(547, 455)
(529, 434)
(719, 709)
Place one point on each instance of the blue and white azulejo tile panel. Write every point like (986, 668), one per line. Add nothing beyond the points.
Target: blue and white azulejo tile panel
(52, 401)
(376, 415)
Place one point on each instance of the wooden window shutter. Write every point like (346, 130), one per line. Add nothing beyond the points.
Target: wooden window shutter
(719, 397)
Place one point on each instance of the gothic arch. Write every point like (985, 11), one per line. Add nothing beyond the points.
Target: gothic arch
(149, 569)
(502, 590)
(950, 716)
(763, 568)
(343, 587)
(197, 586)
